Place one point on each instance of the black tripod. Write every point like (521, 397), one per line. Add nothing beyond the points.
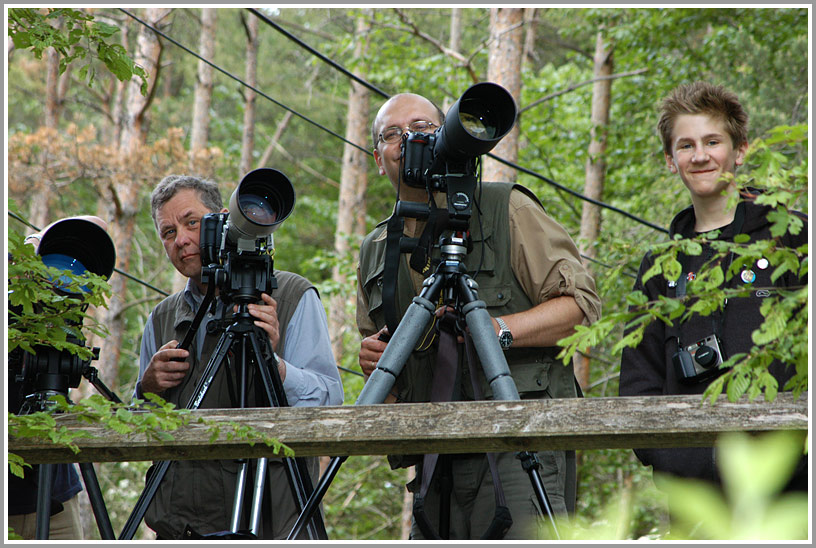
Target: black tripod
(456, 287)
(52, 384)
(245, 340)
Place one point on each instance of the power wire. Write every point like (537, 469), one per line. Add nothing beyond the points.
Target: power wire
(316, 53)
(370, 86)
(578, 195)
(259, 92)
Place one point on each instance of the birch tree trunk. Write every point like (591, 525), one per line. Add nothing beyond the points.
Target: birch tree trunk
(200, 131)
(454, 43)
(529, 54)
(114, 131)
(251, 78)
(353, 176)
(39, 210)
(595, 170)
(121, 196)
(504, 68)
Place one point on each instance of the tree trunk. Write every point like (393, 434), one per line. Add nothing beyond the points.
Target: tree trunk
(200, 128)
(595, 170)
(39, 212)
(251, 78)
(123, 191)
(52, 106)
(354, 174)
(504, 68)
(114, 132)
(529, 54)
(454, 44)
(200, 131)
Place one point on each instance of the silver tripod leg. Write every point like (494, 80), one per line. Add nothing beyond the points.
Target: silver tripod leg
(237, 503)
(257, 497)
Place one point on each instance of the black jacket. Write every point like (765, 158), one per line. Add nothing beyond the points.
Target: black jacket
(648, 369)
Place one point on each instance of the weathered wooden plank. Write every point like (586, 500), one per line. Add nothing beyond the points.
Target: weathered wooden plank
(457, 427)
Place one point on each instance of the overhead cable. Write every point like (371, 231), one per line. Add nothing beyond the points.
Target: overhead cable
(370, 86)
(262, 94)
(316, 53)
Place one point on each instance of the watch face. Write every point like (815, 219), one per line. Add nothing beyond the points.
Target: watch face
(505, 339)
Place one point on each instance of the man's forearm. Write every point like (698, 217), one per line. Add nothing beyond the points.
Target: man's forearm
(544, 324)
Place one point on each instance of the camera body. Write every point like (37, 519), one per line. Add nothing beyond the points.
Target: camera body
(700, 361)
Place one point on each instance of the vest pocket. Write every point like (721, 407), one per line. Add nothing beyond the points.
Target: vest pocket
(373, 287)
(495, 296)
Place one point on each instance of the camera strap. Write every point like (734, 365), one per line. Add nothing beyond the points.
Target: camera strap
(443, 388)
(394, 230)
(421, 259)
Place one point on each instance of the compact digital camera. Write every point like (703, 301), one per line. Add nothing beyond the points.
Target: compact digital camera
(699, 361)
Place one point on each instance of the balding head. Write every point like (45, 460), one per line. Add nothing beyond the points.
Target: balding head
(410, 102)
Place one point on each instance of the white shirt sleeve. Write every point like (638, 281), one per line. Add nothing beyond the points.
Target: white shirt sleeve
(311, 373)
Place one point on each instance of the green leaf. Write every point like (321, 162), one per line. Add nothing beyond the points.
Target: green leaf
(737, 386)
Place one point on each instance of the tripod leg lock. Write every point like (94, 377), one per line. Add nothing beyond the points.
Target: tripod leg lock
(528, 460)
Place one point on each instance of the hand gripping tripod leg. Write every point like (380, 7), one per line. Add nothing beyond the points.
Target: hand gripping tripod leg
(244, 339)
(460, 288)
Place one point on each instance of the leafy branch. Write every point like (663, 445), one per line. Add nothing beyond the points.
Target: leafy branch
(82, 38)
(155, 419)
(48, 306)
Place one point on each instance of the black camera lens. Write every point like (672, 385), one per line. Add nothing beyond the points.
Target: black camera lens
(262, 201)
(705, 356)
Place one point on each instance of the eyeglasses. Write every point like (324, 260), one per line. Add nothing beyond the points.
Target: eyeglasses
(393, 134)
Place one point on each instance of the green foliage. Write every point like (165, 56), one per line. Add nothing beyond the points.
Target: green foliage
(29, 28)
(754, 471)
(155, 419)
(751, 505)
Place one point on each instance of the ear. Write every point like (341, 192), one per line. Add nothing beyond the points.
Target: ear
(742, 150)
(378, 160)
(224, 210)
(670, 162)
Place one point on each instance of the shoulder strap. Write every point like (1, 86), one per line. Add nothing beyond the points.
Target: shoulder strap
(391, 271)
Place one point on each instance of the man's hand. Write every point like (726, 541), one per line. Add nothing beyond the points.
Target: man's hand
(163, 372)
(371, 348)
(266, 315)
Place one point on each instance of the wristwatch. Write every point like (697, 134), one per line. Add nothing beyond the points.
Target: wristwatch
(505, 337)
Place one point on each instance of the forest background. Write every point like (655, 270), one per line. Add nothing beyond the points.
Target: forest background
(587, 83)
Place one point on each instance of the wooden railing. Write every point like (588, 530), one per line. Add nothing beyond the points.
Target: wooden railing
(457, 427)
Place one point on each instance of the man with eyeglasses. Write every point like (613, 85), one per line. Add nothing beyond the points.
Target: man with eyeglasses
(536, 289)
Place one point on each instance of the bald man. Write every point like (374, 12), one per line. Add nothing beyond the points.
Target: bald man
(536, 290)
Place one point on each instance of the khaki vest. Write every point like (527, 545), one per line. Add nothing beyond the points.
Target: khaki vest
(201, 493)
(535, 371)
